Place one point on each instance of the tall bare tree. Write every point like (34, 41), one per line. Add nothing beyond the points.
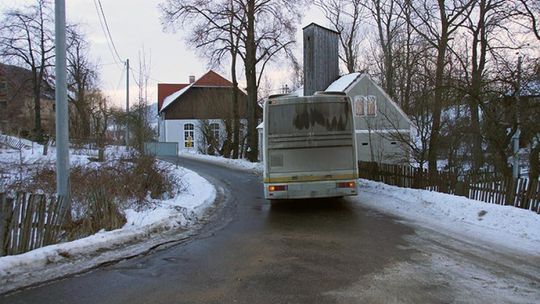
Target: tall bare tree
(436, 21)
(26, 39)
(82, 77)
(346, 17)
(255, 30)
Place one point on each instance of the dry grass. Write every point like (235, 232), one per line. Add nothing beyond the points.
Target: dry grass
(100, 193)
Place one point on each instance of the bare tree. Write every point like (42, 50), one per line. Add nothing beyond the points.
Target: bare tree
(82, 77)
(345, 16)
(436, 22)
(26, 39)
(388, 20)
(531, 10)
(100, 117)
(256, 30)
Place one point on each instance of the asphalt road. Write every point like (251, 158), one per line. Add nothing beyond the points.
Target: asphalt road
(309, 251)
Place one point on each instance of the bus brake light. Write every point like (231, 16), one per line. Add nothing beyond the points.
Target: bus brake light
(346, 185)
(277, 188)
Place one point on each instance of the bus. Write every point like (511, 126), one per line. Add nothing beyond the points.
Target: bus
(309, 147)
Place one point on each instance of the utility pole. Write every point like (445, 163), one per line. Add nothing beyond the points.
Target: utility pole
(62, 130)
(515, 137)
(127, 103)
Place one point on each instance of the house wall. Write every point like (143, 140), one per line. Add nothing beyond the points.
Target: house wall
(172, 130)
(379, 137)
(206, 103)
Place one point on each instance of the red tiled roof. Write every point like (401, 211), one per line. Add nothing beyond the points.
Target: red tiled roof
(210, 79)
(166, 89)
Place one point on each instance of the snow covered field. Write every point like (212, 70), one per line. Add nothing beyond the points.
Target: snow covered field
(142, 230)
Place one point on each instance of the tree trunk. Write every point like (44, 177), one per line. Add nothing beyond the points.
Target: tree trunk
(251, 79)
(437, 101)
(38, 132)
(236, 118)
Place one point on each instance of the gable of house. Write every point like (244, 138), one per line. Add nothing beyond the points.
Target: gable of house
(387, 115)
(209, 97)
(206, 103)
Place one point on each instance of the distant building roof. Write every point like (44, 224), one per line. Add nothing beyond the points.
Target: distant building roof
(170, 92)
(320, 26)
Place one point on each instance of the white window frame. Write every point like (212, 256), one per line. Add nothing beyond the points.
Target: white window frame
(360, 105)
(189, 131)
(371, 100)
(215, 130)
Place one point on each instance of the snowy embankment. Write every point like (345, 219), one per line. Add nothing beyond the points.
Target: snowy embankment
(162, 222)
(239, 164)
(503, 226)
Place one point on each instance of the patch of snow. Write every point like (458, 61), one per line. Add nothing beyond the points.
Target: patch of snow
(503, 226)
(342, 83)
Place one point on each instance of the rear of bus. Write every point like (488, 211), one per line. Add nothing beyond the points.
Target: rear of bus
(309, 147)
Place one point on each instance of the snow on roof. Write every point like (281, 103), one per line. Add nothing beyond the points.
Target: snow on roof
(343, 83)
(169, 99)
(298, 92)
(210, 79)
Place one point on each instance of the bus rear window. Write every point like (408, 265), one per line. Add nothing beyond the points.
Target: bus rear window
(318, 117)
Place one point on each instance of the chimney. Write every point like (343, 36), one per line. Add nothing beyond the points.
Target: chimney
(191, 79)
(321, 66)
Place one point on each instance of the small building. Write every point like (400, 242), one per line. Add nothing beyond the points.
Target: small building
(187, 111)
(382, 128)
(17, 102)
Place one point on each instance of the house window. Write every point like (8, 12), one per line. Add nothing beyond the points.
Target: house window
(371, 105)
(189, 135)
(3, 104)
(3, 85)
(215, 130)
(360, 105)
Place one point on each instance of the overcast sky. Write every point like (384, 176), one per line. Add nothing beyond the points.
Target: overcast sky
(134, 25)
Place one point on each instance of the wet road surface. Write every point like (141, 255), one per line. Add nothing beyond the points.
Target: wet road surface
(309, 251)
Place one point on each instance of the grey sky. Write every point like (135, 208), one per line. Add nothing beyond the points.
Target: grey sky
(135, 24)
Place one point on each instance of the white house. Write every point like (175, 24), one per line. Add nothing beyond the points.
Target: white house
(186, 109)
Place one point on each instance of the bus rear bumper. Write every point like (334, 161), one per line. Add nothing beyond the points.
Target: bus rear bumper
(316, 189)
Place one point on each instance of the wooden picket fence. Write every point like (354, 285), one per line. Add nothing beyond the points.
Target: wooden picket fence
(486, 187)
(29, 221)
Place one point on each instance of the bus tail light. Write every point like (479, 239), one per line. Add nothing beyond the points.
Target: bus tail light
(277, 188)
(346, 185)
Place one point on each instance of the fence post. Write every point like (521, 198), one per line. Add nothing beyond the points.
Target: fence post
(3, 226)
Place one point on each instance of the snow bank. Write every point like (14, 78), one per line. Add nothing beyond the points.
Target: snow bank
(193, 196)
(505, 226)
(238, 164)
(182, 210)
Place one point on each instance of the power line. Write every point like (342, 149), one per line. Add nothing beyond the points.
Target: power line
(106, 30)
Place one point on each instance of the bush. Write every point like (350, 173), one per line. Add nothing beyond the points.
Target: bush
(100, 193)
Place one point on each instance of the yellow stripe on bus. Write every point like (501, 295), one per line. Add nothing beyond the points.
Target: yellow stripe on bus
(287, 179)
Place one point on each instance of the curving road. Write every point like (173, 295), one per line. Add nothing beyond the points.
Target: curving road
(324, 251)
